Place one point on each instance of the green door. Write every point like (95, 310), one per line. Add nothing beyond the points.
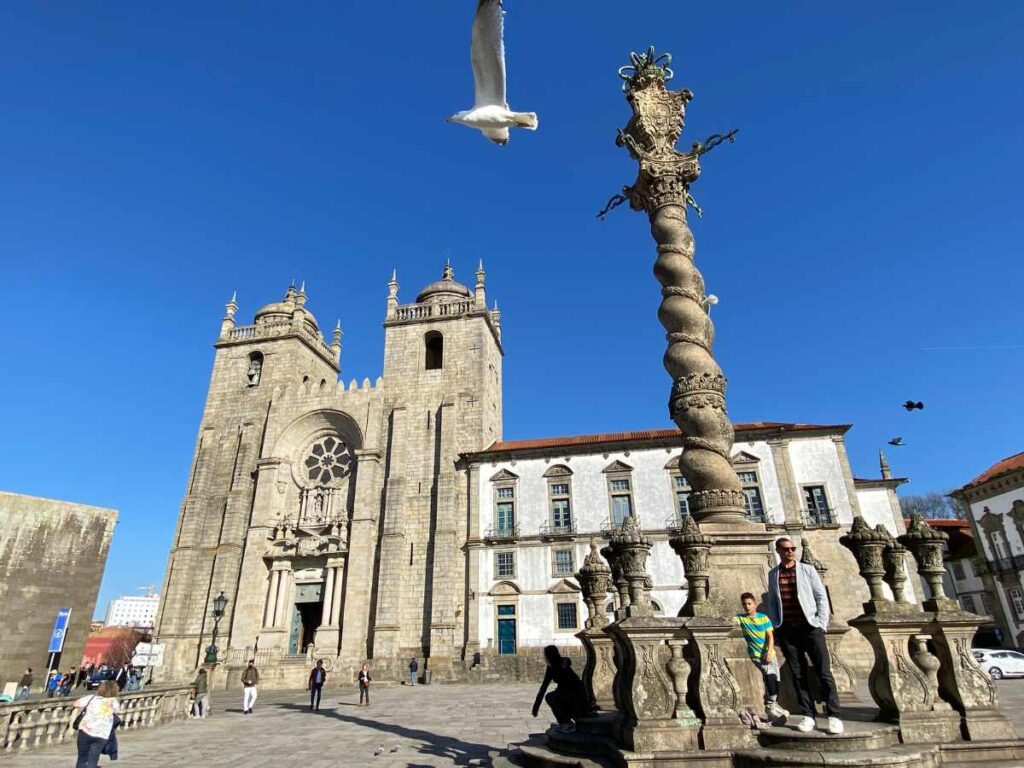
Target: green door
(293, 636)
(506, 629)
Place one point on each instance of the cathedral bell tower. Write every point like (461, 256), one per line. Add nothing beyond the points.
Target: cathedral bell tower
(442, 372)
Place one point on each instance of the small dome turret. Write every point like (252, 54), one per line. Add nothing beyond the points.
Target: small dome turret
(445, 289)
(294, 303)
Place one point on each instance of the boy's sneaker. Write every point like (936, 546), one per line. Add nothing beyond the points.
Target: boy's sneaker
(775, 712)
(805, 724)
(835, 726)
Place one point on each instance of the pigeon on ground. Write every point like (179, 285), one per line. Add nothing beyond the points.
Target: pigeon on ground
(911, 405)
(394, 748)
(490, 113)
(897, 441)
(378, 751)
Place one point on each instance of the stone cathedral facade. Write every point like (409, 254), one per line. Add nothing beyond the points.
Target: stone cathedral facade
(333, 517)
(390, 520)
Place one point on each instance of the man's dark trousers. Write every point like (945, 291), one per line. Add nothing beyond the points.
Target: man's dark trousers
(314, 695)
(794, 642)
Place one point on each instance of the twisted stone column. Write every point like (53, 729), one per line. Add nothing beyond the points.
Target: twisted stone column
(697, 402)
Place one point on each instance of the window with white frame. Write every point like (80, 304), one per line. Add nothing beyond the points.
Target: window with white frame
(566, 614)
(998, 541)
(1016, 598)
(958, 570)
(505, 510)
(986, 603)
(682, 490)
(752, 495)
(561, 512)
(563, 562)
(621, 490)
(504, 565)
(967, 601)
(816, 505)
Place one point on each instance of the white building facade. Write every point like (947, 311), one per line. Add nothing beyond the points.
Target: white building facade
(994, 501)
(133, 611)
(538, 504)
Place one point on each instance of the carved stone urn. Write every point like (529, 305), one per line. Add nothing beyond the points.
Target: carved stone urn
(693, 547)
(927, 545)
(868, 545)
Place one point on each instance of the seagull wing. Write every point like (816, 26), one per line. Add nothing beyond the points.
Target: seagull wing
(488, 54)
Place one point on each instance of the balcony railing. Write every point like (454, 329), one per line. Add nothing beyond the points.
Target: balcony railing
(823, 516)
(556, 530)
(502, 533)
(1003, 564)
(674, 523)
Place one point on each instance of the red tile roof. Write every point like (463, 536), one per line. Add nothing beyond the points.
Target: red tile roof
(506, 446)
(1008, 464)
(961, 537)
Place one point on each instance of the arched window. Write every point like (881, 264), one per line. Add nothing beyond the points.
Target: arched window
(255, 369)
(434, 343)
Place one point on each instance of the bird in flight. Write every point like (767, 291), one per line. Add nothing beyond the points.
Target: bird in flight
(897, 441)
(490, 113)
(910, 405)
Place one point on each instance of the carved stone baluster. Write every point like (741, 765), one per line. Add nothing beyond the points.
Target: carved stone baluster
(599, 671)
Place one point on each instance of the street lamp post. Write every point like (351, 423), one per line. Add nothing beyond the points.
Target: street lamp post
(220, 602)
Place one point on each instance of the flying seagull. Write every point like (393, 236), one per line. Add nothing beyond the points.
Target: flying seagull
(910, 405)
(490, 113)
(897, 441)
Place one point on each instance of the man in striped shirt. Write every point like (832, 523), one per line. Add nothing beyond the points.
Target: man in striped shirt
(757, 631)
(798, 606)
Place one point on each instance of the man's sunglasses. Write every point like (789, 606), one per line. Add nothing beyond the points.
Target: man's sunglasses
(787, 549)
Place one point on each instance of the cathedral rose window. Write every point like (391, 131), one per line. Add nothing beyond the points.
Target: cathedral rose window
(329, 459)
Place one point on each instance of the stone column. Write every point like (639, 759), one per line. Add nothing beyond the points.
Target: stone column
(903, 681)
(697, 401)
(329, 634)
(362, 547)
(960, 679)
(599, 671)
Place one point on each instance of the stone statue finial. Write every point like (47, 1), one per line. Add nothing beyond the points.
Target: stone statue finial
(693, 548)
(883, 464)
(232, 306)
(927, 544)
(593, 578)
(448, 273)
(868, 545)
(807, 557)
(337, 333)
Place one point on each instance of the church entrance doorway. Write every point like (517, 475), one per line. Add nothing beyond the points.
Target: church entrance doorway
(306, 618)
(506, 629)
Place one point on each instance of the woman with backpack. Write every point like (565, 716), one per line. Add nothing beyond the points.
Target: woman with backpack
(95, 723)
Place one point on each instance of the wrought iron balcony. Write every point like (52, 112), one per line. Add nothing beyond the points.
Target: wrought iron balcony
(1003, 565)
(819, 517)
(674, 523)
(559, 530)
(502, 533)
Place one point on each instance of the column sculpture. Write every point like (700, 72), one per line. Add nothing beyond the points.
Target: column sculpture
(951, 629)
(903, 681)
(697, 400)
(599, 671)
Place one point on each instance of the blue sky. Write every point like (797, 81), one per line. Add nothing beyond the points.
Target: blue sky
(862, 234)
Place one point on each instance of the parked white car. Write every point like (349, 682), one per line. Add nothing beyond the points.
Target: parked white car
(999, 662)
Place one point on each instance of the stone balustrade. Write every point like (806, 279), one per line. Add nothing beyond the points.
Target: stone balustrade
(273, 330)
(30, 724)
(411, 312)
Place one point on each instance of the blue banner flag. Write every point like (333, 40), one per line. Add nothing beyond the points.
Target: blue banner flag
(60, 628)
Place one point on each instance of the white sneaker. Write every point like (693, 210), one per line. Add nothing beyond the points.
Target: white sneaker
(835, 726)
(775, 712)
(805, 724)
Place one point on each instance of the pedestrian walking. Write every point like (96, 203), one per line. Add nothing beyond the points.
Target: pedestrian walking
(760, 636)
(96, 723)
(24, 685)
(84, 674)
(317, 678)
(250, 680)
(569, 699)
(52, 682)
(364, 684)
(798, 607)
(201, 685)
(64, 687)
(414, 667)
(122, 676)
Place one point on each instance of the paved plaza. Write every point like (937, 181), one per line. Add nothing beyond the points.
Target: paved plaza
(437, 725)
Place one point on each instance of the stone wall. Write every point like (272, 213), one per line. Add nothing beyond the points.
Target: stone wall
(52, 555)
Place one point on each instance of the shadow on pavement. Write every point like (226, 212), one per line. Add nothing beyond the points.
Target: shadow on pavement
(446, 747)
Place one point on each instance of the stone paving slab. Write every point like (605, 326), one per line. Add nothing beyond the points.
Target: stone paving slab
(435, 725)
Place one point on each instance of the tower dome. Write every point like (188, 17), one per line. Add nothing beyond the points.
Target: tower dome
(284, 311)
(445, 289)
